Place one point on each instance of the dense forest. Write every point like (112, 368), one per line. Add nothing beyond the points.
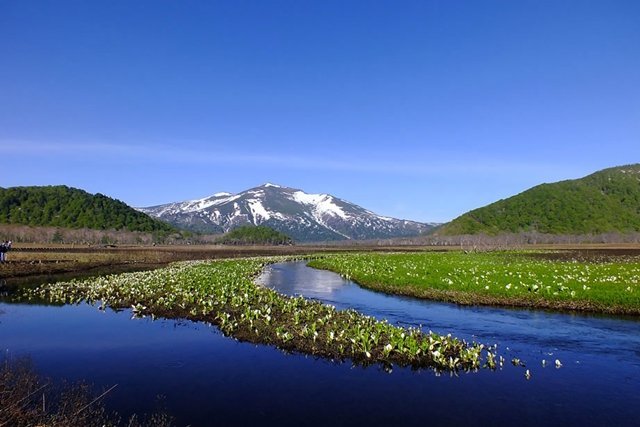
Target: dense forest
(252, 235)
(62, 206)
(603, 202)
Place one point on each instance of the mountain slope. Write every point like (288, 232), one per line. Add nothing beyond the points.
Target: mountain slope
(62, 206)
(304, 217)
(605, 201)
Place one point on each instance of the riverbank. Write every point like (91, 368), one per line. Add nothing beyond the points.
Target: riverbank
(587, 281)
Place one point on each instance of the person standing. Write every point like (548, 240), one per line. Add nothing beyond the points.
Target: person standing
(3, 251)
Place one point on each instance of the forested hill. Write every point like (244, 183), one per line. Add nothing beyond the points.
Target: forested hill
(606, 201)
(62, 206)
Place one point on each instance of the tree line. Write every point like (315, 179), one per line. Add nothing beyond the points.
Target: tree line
(255, 235)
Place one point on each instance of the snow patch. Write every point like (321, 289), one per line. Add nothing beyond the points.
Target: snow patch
(201, 204)
(215, 216)
(258, 211)
(323, 204)
(268, 184)
(236, 210)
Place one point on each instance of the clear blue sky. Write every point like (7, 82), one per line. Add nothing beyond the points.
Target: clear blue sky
(419, 110)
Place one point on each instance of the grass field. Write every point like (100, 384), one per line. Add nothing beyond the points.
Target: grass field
(597, 283)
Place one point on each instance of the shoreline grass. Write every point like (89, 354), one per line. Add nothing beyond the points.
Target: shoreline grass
(223, 293)
(517, 279)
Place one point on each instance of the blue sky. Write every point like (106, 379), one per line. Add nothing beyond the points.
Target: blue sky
(419, 110)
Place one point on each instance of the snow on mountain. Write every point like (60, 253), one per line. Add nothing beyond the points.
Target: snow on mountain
(303, 216)
(321, 204)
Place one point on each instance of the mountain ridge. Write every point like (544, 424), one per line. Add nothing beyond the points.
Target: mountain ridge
(303, 216)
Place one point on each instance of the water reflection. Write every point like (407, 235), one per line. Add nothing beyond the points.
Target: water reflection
(294, 279)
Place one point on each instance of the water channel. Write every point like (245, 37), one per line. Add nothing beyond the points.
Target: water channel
(208, 379)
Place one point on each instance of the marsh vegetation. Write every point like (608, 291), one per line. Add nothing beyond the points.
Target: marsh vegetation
(223, 293)
(525, 279)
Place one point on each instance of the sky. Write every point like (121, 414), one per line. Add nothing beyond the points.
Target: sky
(419, 110)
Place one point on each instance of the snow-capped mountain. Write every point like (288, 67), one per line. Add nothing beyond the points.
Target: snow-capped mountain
(304, 217)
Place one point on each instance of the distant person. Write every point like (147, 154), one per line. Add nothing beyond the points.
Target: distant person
(3, 251)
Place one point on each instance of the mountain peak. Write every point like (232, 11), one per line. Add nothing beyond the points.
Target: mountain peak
(303, 216)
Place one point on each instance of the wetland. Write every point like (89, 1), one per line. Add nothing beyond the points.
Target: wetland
(207, 373)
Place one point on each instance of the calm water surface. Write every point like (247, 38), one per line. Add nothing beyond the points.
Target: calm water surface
(208, 379)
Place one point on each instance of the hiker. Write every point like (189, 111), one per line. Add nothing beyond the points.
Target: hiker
(3, 251)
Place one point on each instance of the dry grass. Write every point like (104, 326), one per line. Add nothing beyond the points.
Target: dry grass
(30, 260)
(26, 399)
(47, 259)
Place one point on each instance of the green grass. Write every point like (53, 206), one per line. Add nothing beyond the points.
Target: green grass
(222, 292)
(498, 278)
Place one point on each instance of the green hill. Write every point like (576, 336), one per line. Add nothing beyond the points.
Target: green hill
(606, 201)
(62, 206)
(251, 235)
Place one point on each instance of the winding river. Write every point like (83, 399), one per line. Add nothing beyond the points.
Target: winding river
(208, 379)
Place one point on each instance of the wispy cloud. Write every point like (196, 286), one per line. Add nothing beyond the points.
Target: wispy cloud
(440, 164)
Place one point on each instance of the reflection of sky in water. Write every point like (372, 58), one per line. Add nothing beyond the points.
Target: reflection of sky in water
(295, 279)
(64, 329)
